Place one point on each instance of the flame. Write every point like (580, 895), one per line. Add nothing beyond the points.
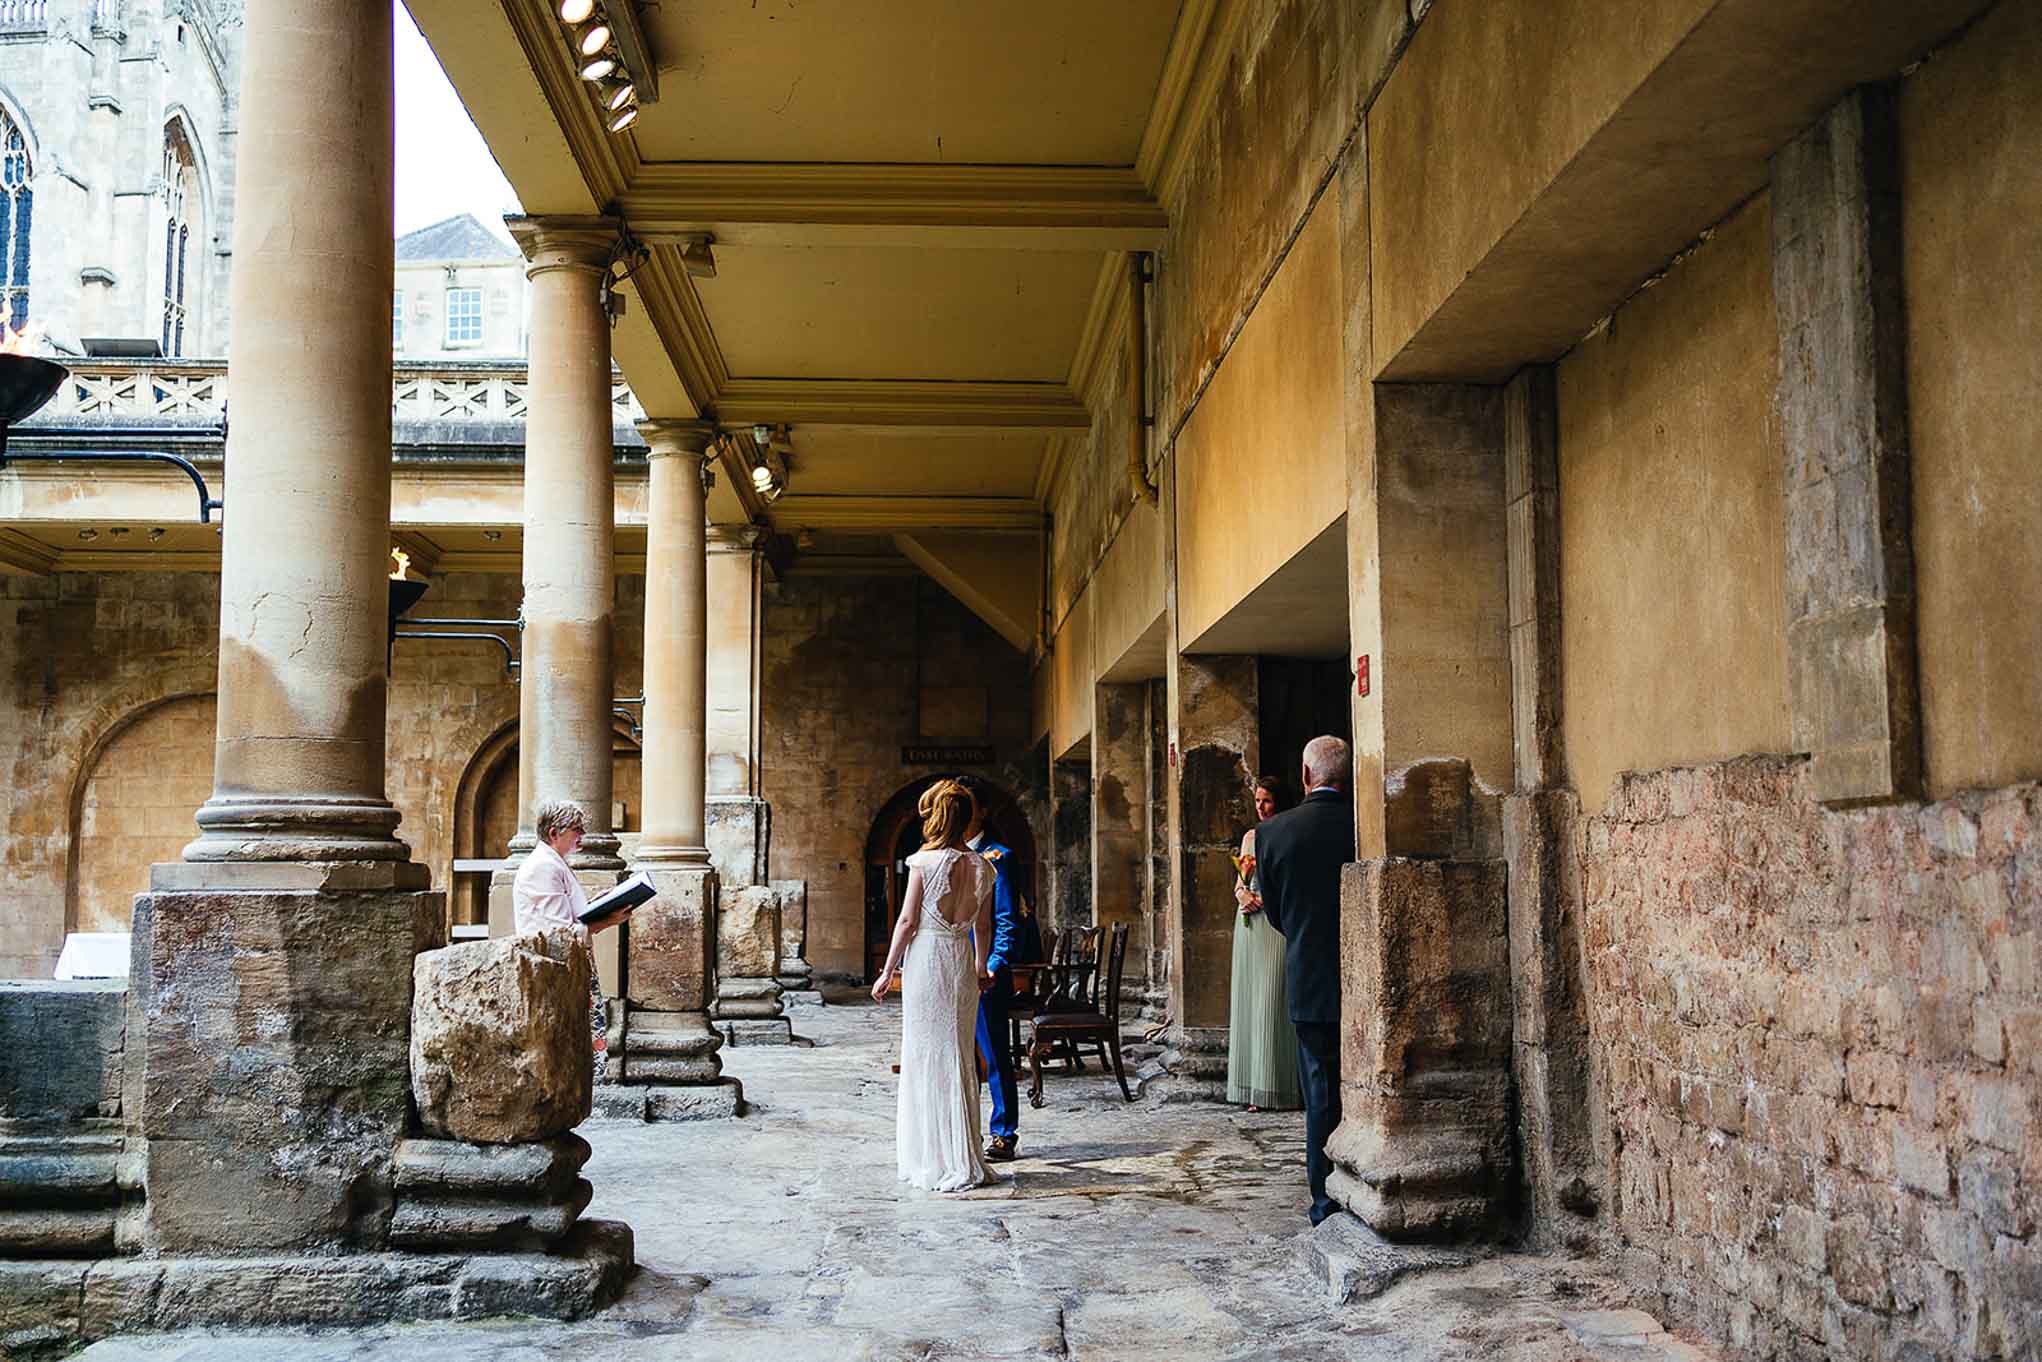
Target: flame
(403, 562)
(25, 341)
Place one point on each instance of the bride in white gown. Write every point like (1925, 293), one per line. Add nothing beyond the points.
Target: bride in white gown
(945, 930)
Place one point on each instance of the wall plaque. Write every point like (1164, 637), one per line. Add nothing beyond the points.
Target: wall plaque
(947, 754)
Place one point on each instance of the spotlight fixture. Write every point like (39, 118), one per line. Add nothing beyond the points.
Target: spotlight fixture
(611, 53)
(769, 462)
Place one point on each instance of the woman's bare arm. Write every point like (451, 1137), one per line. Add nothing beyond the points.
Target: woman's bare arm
(903, 932)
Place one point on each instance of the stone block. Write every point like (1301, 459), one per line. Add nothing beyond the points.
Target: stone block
(544, 1171)
(696, 1102)
(1354, 1263)
(757, 1031)
(500, 1046)
(65, 1043)
(274, 1029)
(671, 944)
(739, 833)
(748, 934)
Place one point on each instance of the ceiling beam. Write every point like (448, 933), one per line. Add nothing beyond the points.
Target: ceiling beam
(1006, 207)
(880, 405)
(872, 514)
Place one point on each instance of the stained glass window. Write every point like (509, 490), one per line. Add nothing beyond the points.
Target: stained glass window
(180, 179)
(17, 202)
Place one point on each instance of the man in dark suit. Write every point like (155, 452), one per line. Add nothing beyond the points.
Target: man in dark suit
(996, 997)
(1298, 856)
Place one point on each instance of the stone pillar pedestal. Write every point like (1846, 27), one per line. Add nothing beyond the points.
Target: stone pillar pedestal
(1196, 1060)
(272, 1004)
(748, 1009)
(1426, 1144)
(670, 1062)
(797, 976)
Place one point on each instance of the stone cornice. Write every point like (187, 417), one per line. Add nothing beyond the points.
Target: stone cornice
(899, 404)
(780, 204)
(1184, 96)
(675, 310)
(1102, 316)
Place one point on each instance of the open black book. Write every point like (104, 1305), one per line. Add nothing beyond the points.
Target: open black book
(623, 898)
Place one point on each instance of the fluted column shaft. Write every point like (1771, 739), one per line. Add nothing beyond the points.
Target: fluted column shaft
(676, 645)
(298, 753)
(568, 688)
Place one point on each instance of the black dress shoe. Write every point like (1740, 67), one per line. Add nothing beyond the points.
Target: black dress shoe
(1001, 1148)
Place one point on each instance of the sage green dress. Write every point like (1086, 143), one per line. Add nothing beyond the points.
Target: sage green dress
(1262, 1049)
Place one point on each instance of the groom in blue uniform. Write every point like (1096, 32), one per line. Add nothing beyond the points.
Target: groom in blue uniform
(995, 998)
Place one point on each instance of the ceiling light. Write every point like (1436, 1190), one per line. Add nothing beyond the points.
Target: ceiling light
(594, 39)
(574, 11)
(762, 477)
(597, 69)
(616, 91)
(625, 118)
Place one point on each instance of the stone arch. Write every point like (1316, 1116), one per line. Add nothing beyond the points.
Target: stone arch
(114, 835)
(897, 822)
(17, 113)
(478, 827)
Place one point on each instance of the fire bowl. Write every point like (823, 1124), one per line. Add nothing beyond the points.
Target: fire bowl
(26, 382)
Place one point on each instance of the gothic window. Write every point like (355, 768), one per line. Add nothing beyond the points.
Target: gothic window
(17, 200)
(397, 320)
(180, 178)
(464, 317)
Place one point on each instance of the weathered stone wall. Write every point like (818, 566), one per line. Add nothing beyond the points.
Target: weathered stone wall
(847, 663)
(1822, 1035)
(92, 661)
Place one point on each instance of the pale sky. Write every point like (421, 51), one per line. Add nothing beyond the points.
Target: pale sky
(443, 166)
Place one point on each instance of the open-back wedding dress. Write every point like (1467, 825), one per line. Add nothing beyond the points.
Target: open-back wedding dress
(938, 1119)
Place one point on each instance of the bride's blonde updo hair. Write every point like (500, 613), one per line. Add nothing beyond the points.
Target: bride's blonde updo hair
(946, 808)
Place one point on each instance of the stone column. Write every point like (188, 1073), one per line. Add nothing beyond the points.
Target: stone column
(567, 681)
(1851, 668)
(568, 678)
(668, 1042)
(1120, 823)
(271, 984)
(1212, 802)
(1426, 1145)
(739, 822)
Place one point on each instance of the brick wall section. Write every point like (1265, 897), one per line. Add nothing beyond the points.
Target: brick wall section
(1822, 1034)
(845, 660)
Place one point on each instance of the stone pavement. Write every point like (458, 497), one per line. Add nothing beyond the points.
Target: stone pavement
(1174, 1233)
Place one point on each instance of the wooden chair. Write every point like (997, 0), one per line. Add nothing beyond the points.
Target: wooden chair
(1028, 1001)
(1089, 1020)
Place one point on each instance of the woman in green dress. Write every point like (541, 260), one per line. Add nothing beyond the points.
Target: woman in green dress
(1262, 1050)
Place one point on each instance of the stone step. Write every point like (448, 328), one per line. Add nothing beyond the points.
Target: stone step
(528, 1173)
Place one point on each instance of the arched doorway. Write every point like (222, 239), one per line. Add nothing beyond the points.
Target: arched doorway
(897, 833)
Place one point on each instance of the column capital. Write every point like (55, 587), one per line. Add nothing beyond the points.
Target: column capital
(565, 242)
(736, 538)
(669, 438)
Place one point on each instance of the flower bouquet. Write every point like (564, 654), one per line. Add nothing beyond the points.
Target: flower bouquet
(1244, 866)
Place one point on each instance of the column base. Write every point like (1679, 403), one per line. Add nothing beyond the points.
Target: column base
(273, 829)
(272, 1084)
(722, 1100)
(669, 1048)
(757, 1031)
(1426, 1147)
(1196, 1064)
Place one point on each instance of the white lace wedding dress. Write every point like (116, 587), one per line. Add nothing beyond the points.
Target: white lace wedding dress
(938, 1129)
